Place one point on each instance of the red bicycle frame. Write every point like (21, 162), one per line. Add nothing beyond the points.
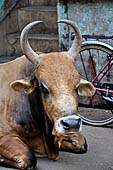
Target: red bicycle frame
(104, 72)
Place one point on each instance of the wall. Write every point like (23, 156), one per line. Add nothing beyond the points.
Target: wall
(1, 7)
(91, 17)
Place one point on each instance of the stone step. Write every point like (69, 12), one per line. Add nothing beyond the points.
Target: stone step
(43, 2)
(39, 42)
(48, 14)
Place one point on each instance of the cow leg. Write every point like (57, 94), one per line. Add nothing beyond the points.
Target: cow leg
(6, 162)
(75, 143)
(15, 152)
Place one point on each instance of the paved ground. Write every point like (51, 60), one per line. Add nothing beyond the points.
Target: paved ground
(98, 157)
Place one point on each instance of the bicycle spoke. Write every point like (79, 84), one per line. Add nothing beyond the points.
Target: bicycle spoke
(83, 66)
(93, 61)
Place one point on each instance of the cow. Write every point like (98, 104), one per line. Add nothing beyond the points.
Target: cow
(39, 104)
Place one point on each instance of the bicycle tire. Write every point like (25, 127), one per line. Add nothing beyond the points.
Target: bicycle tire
(100, 52)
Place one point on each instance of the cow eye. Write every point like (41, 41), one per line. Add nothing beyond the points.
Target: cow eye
(44, 89)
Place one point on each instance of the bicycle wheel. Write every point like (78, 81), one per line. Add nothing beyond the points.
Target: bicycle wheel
(91, 59)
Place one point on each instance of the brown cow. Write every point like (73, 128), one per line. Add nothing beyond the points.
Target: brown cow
(39, 105)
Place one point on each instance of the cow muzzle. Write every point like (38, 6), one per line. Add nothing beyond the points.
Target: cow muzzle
(68, 124)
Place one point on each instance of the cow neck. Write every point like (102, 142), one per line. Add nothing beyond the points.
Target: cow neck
(30, 111)
(36, 107)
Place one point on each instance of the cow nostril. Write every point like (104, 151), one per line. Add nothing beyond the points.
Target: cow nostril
(65, 124)
(69, 124)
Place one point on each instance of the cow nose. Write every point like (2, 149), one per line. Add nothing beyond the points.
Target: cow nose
(69, 124)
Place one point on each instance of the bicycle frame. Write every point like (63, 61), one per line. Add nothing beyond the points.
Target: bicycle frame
(103, 100)
(103, 72)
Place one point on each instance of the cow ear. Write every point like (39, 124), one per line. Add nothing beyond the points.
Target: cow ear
(85, 88)
(22, 86)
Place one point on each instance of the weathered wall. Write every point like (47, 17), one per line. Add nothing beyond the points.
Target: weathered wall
(1, 7)
(91, 17)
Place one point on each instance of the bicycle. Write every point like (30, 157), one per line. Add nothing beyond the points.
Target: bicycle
(94, 63)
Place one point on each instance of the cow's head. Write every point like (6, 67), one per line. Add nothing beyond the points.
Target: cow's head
(60, 86)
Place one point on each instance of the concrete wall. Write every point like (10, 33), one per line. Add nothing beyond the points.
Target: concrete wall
(91, 17)
(1, 7)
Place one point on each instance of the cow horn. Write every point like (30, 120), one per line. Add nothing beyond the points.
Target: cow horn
(31, 55)
(76, 45)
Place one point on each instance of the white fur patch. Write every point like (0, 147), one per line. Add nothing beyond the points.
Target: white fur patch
(67, 104)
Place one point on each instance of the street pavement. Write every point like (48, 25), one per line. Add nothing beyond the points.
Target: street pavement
(98, 157)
